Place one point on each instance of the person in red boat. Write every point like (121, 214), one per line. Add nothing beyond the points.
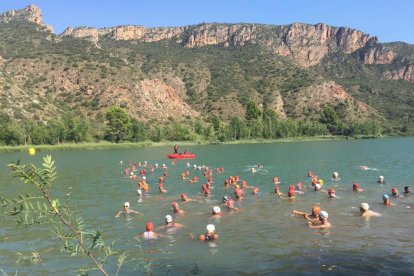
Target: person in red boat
(175, 149)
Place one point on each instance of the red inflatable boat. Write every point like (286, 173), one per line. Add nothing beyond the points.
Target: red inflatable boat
(181, 155)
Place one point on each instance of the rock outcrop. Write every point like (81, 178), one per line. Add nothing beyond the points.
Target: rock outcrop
(403, 73)
(31, 13)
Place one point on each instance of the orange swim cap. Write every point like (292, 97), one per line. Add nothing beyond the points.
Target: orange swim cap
(316, 209)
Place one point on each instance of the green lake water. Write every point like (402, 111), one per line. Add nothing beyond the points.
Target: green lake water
(261, 238)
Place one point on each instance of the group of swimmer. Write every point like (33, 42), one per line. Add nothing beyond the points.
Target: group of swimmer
(317, 218)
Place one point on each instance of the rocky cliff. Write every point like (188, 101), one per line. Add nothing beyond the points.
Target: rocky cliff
(31, 13)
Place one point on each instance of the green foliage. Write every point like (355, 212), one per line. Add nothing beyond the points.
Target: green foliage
(252, 111)
(330, 118)
(119, 124)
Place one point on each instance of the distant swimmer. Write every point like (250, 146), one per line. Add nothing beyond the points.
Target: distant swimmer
(230, 205)
(313, 216)
(365, 212)
(364, 168)
(386, 200)
(161, 188)
(407, 191)
(216, 212)
(381, 180)
(253, 170)
(149, 234)
(395, 192)
(335, 176)
(126, 210)
(169, 224)
(176, 208)
(276, 180)
(323, 221)
(255, 191)
(356, 188)
(210, 235)
(331, 193)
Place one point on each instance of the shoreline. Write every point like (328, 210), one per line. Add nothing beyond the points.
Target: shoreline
(145, 144)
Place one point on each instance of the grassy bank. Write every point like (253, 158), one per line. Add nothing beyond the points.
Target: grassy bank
(127, 145)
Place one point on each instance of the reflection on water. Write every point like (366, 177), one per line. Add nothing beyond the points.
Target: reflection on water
(262, 237)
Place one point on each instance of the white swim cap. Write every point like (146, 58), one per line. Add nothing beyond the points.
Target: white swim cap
(323, 214)
(210, 228)
(381, 177)
(145, 162)
(168, 218)
(132, 173)
(144, 177)
(335, 174)
(126, 204)
(216, 209)
(364, 206)
(318, 186)
(139, 192)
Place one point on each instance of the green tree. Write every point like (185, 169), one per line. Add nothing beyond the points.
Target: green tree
(252, 111)
(331, 119)
(119, 124)
(139, 132)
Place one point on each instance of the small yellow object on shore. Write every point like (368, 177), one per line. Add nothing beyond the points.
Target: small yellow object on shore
(32, 151)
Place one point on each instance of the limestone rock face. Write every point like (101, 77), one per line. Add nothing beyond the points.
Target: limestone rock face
(31, 13)
(87, 33)
(378, 55)
(316, 97)
(404, 73)
(154, 99)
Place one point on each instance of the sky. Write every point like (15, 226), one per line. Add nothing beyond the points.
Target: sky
(391, 20)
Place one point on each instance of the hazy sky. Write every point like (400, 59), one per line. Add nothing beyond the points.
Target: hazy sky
(391, 20)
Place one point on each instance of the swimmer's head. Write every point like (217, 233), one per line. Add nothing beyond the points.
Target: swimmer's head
(323, 215)
(149, 226)
(139, 192)
(277, 189)
(210, 228)
(316, 210)
(216, 210)
(355, 186)
(168, 218)
(318, 187)
(394, 191)
(335, 175)
(183, 196)
(385, 197)
(226, 198)
(126, 204)
(144, 177)
(175, 205)
(364, 206)
(331, 191)
(407, 189)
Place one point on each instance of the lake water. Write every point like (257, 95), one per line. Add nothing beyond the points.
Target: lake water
(261, 238)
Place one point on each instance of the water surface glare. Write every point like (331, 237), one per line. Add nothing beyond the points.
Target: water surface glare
(261, 238)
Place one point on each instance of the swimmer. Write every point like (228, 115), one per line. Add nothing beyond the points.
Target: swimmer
(253, 170)
(216, 212)
(226, 198)
(176, 208)
(356, 188)
(169, 224)
(230, 205)
(126, 210)
(365, 212)
(276, 180)
(313, 216)
(331, 193)
(149, 234)
(278, 192)
(185, 198)
(324, 223)
(161, 188)
(381, 180)
(238, 193)
(386, 200)
(210, 235)
(299, 186)
(407, 190)
(394, 192)
(255, 191)
(364, 168)
(335, 176)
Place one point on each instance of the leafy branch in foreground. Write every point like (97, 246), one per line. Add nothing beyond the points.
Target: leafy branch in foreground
(69, 227)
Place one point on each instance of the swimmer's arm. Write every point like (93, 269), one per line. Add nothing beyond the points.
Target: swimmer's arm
(136, 212)
(118, 214)
(299, 213)
(314, 226)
